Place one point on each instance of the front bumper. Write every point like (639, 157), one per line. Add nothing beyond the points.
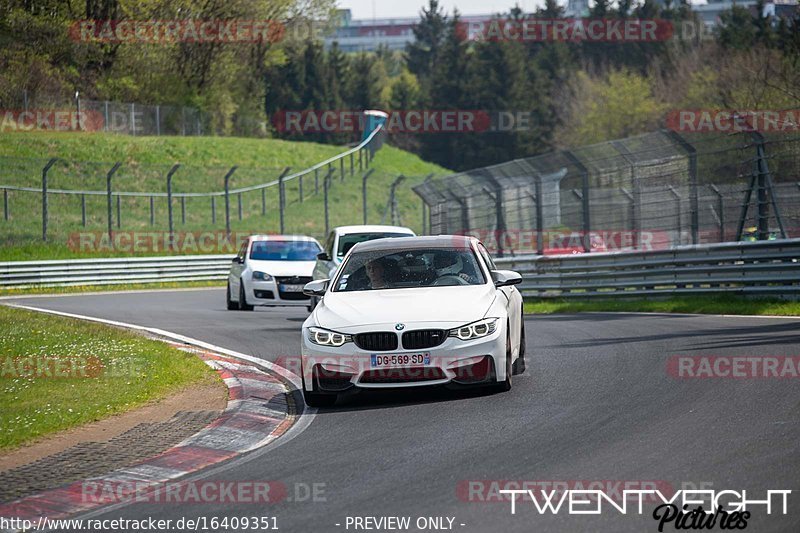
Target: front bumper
(268, 293)
(457, 362)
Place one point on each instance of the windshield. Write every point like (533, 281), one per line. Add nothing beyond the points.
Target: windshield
(284, 251)
(431, 267)
(348, 241)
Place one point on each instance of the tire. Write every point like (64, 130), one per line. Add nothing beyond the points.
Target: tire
(505, 386)
(519, 364)
(231, 305)
(312, 304)
(243, 305)
(315, 399)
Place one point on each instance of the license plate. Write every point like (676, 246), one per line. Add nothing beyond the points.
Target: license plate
(291, 288)
(400, 360)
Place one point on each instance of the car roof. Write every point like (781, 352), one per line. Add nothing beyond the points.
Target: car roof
(373, 228)
(413, 243)
(303, 238)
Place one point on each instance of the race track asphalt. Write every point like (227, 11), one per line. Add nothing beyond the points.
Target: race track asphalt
(596, 403)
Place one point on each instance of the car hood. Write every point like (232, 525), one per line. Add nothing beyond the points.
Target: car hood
(283, 268)
(448, 306)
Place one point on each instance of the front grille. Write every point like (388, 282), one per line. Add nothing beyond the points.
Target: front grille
(402, 375)
(423, 338)
(379, 341)
(292, 280)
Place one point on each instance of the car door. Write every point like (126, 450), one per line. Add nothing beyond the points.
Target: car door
(237, 267)
(322, 268)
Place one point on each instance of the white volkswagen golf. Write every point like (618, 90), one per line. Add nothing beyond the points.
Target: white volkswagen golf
(410, 312)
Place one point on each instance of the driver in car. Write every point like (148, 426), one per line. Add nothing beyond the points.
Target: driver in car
(376, 274)
(451, 264)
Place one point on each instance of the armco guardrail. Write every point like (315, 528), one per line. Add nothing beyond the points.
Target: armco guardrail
(77, 272)
(764, 267)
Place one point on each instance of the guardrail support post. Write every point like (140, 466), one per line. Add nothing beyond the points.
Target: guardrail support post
(585, 200)
(109, 200)
(83, 210)
(171, 172)
(228, 201)
(45, 170)
(364, 193)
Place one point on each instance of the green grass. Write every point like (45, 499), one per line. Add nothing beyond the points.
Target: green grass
(121, 287)
(716, 305)
(205, 161)
(134, 371)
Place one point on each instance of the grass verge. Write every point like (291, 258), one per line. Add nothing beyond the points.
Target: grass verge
(101, 288)
(58, 373)
(711, 305)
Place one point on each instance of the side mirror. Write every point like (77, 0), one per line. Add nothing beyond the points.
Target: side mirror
(323, 256)
(316, 288)
(505, 278)
(238, 260)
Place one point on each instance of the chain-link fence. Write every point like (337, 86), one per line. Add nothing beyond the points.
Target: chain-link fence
(652, 191)
(104, 206)
(126, 118)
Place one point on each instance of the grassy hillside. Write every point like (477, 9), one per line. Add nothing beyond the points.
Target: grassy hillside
(204, 163)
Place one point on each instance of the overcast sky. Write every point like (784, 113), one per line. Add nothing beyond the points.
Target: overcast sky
(367, 9)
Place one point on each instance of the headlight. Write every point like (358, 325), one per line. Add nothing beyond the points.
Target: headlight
(478, 329)
(325, 337)
(261, 276)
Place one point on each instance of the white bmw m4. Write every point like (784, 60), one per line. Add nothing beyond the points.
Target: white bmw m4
(412, 312)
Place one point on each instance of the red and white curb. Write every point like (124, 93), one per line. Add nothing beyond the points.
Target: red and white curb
(260, 409)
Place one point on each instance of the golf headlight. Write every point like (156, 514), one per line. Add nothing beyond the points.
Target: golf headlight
(475, 330)
(325, 337)
(261, 276)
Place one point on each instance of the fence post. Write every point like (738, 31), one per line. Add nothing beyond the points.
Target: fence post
(105, 115)
(316, 181)
(393, 198)
(352, 165)
(228, 201)
(45, 170)
(171, 172)
(325, 186)
(152, 211)
(364, 193)
(632, 214)
(721, 211)
(5, 204)
(83, 210)
(585, 200)
(119, 211)
(183, 210)
(109, 199)
(765, 188)
(264, 201)
(213, 209)
(694, 204)
(301, 187)
(282, 196)
(239, 200)
(133, 120)
(341, 169)
(158, 120)
(360, 160)
(677, 212)
(539, 216)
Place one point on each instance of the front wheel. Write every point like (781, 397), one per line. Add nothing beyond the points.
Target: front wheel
(505, 386)
(243, 305)
(232, 306)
